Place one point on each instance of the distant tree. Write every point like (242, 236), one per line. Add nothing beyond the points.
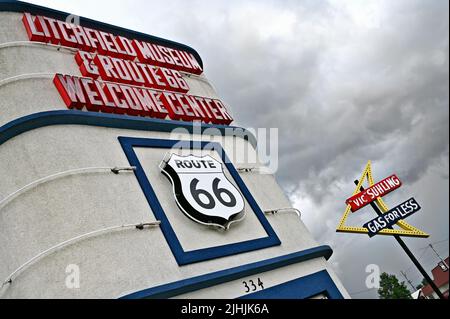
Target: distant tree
(422, 284)
(391, 288)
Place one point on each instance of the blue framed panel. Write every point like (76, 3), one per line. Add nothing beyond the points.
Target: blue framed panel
(188, 257)
(300, 288)
(311, 285)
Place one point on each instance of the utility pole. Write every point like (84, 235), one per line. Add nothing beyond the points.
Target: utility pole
(408, 281)
(443, 261)
(408, 252)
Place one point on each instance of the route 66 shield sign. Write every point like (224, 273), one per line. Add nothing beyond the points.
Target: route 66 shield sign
(202, 191)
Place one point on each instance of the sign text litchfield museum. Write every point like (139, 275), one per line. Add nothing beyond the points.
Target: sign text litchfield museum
(126, 76)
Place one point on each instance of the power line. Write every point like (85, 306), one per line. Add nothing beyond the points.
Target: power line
(404, 273)
(425, 250)
(430, 263)
(434, 243)
(420, 257)
(408, 281)
(438, 256)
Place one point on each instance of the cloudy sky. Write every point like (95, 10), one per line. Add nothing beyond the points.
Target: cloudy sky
(345, 82)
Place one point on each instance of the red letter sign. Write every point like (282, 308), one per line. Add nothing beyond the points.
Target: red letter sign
(370, 194)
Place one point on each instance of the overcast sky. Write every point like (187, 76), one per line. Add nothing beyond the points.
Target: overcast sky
(345, 82)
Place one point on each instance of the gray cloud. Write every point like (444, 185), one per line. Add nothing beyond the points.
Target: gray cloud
(344, 81)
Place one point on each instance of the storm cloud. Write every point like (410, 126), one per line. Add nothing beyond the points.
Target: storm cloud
(344, 82)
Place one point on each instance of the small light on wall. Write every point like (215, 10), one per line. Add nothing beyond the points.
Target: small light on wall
(280, 210)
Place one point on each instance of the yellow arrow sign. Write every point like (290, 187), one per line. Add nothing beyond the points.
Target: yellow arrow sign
(406, 229)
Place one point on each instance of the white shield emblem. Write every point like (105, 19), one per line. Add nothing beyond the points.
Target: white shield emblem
(202, 191)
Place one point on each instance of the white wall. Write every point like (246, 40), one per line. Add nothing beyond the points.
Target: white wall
(120, 262)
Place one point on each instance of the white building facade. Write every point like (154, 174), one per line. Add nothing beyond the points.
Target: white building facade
(85, 211)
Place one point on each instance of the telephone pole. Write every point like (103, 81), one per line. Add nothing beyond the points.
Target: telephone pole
(443, 261)
(408, 281)
(408, 252)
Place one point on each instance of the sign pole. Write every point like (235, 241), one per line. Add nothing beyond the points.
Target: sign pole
(408, 252)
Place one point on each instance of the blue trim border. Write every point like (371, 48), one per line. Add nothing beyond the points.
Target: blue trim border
(215, 278)
(301, 288)
(187, 257)
(75, 117)
(19, 6)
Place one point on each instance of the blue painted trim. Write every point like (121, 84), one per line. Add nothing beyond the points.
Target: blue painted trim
(19, 6)
(215, 278)
(301, 288)
(187, 257)
(64, 117)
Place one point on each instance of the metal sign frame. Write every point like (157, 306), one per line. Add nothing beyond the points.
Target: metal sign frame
(405, 228)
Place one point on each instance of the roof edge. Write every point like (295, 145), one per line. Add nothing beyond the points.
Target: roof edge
(20, 6)
(75, 117)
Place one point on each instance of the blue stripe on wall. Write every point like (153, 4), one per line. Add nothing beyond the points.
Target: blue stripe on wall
(204, 281)
(300, 288)
(67, 117)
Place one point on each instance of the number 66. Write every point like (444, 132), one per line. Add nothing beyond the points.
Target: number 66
(218, 193)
